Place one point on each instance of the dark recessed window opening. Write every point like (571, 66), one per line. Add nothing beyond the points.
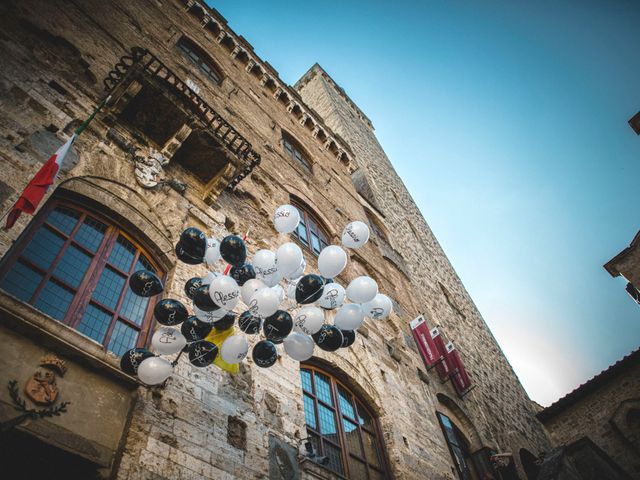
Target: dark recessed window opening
(203, 61)
(74, 265)
(295, 152)
(201, 155)
(458, 447)
(310, 232)
(341, 427)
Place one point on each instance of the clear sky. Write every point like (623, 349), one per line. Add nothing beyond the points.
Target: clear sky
(508, 122)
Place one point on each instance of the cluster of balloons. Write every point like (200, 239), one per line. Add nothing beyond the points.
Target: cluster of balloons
(293, 316)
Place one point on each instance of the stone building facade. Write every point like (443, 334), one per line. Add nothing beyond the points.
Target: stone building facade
(200, 131)
(627, 265)
(597, 425)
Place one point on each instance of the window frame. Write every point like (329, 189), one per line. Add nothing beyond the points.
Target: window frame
(312, 226)
(296, 152)
(358, 406)
(99, 262)
(189, 49)
(470, 472)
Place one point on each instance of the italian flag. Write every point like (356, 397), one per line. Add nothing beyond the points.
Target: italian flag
(39, 184)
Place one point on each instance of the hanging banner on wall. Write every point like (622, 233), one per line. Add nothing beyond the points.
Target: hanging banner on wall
(459, 377)
(442, 367)
(423, 340)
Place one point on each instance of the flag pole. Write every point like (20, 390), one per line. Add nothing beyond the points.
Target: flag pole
(76, 132)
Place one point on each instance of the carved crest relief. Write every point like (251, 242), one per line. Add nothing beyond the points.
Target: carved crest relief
(41, 388)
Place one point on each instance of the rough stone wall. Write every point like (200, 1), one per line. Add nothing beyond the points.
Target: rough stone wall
(609, 416)
(205, 423)
(627, 263)
(499, 407)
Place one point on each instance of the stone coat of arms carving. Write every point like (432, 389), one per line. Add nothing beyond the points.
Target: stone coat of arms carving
(41, 388)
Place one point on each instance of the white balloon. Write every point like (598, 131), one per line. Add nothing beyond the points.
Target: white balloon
(210, 277)
(299, 346)
(332, 261)
(280, 291)
(264, 263)
(286, 218)
(225, 292)
(168, 340)
(234, 349)
(209, 317)
(349, 317)
(332, 296)
(212, 254)
(362, 289)
(154, 370)
(249, 288)
(308, 320)
(291, 289)
(355, 234)
(288, 259)
(378, 308)
(298, 273)
(264, 302)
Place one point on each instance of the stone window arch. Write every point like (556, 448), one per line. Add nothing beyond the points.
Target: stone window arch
(196, 54)
(342, 426)
(376, 226)
(296, 152)
(73, 263)
(311, 232)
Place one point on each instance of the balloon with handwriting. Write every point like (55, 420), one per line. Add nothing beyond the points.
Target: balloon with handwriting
(212, 253)
(154, 370)
(249, 323)
(225, 323)
(202, 299)
(193, 242)
(249, 288)
(170, 312)
(362, 289)
(185, 257)
(145, 283)
(202, 353)
(264, 263)
(378, 308)
(328, 338)
(309, 288)
(234, 349)
(264, 302)
(211, 316)
(355, 234)
(348, 338)
(243, 273)
(332, 296)
(131, 359)
(264, 354)
(277, 326)
(286, 218)
(191, 286)
(195, 329)
(233, 250)
(299, 346)
(308, 320)
(224, 292)
(168, 340)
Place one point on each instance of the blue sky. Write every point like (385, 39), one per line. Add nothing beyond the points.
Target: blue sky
(507, 121)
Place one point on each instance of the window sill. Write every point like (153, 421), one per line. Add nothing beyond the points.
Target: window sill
(50, 333)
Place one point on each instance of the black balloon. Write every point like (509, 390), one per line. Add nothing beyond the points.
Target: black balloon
(170, 312)
(278, 326)
(248, 323)
(131, 359)
(202, 353)
(309, 288)
(233, 250)
(185, 257)
(195, 329)
(194, 242)
(203, 300)
(328, 338)
(348, 337)
(264, 353)
(145, 283)
(191, 285)
(225, 322)
(243, 273)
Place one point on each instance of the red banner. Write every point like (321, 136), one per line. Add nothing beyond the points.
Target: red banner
(422, 336)
(459, 377)
(442, 367)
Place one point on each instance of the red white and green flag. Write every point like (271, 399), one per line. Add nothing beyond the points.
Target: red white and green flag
(45, 177)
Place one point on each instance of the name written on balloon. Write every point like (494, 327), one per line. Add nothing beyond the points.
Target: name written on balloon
(223, 298)
(332, 297)
(376, 313)
(265, 272)
(283, 214)
(300, 323)
(167, 337)
(349, 231)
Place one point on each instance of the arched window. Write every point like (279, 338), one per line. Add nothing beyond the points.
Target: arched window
(459, 448)
(74, 265)
(375, 226)
(295, 151)
(200, 58)
(310, 232)
(341, 427)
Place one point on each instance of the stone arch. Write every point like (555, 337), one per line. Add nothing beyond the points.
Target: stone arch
(286, 135)
(301, 197)
(132, 209)
(462, 421)
(626, 421)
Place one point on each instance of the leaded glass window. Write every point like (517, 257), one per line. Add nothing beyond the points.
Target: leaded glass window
(458, 448)
(310, 232)
(74, 265)
(295, 152)
(200, 59)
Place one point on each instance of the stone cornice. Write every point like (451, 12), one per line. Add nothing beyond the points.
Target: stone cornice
(241, 51)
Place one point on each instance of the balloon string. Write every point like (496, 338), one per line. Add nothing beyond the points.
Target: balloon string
(228, 267)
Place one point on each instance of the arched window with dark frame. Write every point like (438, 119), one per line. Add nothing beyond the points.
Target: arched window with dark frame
(310, 231)
(459, 448)
(341, 427)
(201, 59)
(74, 265)
(293, 149)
